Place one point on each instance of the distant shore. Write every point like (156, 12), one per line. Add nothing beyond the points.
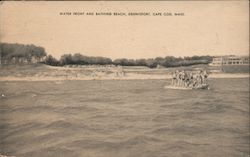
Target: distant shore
(127, 77)
(49, 73)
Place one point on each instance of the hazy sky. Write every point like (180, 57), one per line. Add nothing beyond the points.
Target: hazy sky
(208, 28)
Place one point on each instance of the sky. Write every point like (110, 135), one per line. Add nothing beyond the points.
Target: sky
(207, 28)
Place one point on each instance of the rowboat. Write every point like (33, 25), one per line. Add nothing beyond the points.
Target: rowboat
(202, 87)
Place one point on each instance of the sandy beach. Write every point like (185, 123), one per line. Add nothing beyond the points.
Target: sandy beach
(128, 77)
(48, 73)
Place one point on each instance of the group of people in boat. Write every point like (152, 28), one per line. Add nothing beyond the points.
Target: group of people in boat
(189, 79)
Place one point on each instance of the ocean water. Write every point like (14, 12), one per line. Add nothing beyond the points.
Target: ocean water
(126, 118)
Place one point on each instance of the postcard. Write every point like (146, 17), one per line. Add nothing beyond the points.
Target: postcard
(124, 79)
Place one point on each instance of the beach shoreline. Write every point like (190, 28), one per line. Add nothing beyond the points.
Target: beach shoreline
(127, 77)
(40, 72)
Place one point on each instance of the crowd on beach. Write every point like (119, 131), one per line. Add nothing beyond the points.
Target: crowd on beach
(189, 79)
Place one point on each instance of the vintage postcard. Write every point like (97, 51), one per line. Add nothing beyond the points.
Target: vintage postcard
(124, 79)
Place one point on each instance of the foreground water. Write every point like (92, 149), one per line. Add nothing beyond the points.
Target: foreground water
(136, 118)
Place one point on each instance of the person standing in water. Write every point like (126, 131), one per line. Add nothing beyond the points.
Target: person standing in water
(178, 78)
(205, 76)
(174, 78)
(185, 78)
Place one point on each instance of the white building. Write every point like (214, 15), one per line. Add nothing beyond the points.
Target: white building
(230, 60)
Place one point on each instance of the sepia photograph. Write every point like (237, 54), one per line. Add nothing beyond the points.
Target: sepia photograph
(124, 79)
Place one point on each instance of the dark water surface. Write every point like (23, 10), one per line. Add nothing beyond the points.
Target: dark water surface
(130, 118)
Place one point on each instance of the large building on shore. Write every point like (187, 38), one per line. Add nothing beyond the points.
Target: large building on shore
(230, 60)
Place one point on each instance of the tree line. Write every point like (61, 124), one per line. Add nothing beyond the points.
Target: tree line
(168, 61)
(20, 53)
(16, 53)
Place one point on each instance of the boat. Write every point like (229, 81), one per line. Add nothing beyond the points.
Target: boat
(189, 80)
(201, 87)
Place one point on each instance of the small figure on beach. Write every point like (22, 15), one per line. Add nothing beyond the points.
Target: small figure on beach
(119, 72)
